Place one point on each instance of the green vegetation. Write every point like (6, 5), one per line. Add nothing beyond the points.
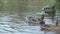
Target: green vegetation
(58, 4)
(58, 11)
(1, 5)
(23, 6)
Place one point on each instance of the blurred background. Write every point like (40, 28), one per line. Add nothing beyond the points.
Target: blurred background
(13, 13)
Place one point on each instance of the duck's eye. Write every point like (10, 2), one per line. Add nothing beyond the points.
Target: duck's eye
(34, 20)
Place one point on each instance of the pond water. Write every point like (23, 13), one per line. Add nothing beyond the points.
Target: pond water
(12, 24)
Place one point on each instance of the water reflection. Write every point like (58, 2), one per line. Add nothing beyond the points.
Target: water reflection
(11, 24)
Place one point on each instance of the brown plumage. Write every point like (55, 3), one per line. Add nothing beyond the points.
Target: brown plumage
(33, 20)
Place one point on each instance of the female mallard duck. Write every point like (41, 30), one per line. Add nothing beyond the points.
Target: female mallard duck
(50, 28)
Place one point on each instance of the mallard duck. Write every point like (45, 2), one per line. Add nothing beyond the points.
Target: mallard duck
(46, 27)
(50, 28)
(33, 20)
